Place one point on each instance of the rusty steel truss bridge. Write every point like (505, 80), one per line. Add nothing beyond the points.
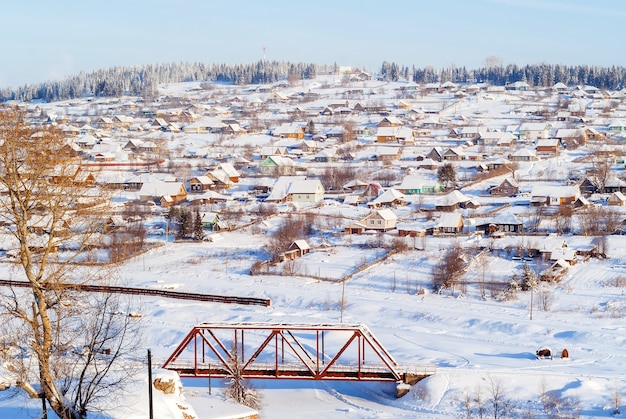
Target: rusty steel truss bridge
(289, 351)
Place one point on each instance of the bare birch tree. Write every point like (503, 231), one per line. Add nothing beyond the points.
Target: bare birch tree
(602, 163)
(60, 345)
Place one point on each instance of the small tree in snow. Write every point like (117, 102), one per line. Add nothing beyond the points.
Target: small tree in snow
(545, 299)
(449, 268)
(616, 398)
(198, 228)
(238, 387)
(501, 406)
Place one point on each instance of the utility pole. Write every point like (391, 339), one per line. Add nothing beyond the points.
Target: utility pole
(343, 291)
(531, 301)
(151, 416)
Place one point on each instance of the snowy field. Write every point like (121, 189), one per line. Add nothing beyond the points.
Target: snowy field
(472, 342)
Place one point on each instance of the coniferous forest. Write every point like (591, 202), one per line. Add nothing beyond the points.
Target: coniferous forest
(142, 80)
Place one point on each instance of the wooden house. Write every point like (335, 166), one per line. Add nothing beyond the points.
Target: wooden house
(200, 184)
(355, 228)
(411, 230)
(427, 164)
(387, 154)
(220, 178)
(454, 154)
(523, 154)
(290, 130)
(389, 198)
(328, 111)
(560, 87)
(231, 172)
(234, 129)
(381, 220)
(405, 135)
(389, 121)
(371, 191)
(308, 146)
(448, 223)
(416, 184)
(452, 201)
(404, 105)
(616, 199)
(547, 146)
(277, 165)
(508, 187)
(386, 134)
(167, 193)
(471, 132)
(328, 155)
(614, 184)
(85, 141)
(555, 271)
(104, 123)
(572, 137)
(158, 124)
(272, 151)
(206, 125)
(581, 202)
(295, 250)
(122, 121)
(135, 145)
(436, 154)
(496, 138)
(503, 223)
(211, 221)
(279, 190)
(534, 130)
(554, 195)
(305, 191)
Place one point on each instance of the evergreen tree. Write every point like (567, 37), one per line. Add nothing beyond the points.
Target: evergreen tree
(172, 214)
(198, 228)
(529, 278)
(184, 224)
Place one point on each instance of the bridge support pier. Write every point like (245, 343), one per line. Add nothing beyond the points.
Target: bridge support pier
(409, 380)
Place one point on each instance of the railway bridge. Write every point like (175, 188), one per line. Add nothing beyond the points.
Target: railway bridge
(289, 351)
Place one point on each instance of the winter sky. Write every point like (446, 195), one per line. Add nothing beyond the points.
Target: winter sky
(43, 40)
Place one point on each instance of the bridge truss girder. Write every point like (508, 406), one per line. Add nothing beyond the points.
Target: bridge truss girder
(283, 351)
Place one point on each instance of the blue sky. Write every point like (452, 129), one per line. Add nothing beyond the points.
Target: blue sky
(45, 40)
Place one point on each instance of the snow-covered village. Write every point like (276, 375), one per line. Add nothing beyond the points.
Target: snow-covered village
(344, 245)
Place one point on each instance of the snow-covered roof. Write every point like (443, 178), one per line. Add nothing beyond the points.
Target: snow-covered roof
(542, 190)
(452, 198)
(449, 220)
(390, 195)
(281, 186)
(306, 186)
(386, 214)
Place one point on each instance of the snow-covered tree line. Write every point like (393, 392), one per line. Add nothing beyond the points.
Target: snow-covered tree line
(142, 80)
(540, 75)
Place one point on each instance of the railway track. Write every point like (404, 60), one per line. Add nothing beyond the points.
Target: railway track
(189, 296)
